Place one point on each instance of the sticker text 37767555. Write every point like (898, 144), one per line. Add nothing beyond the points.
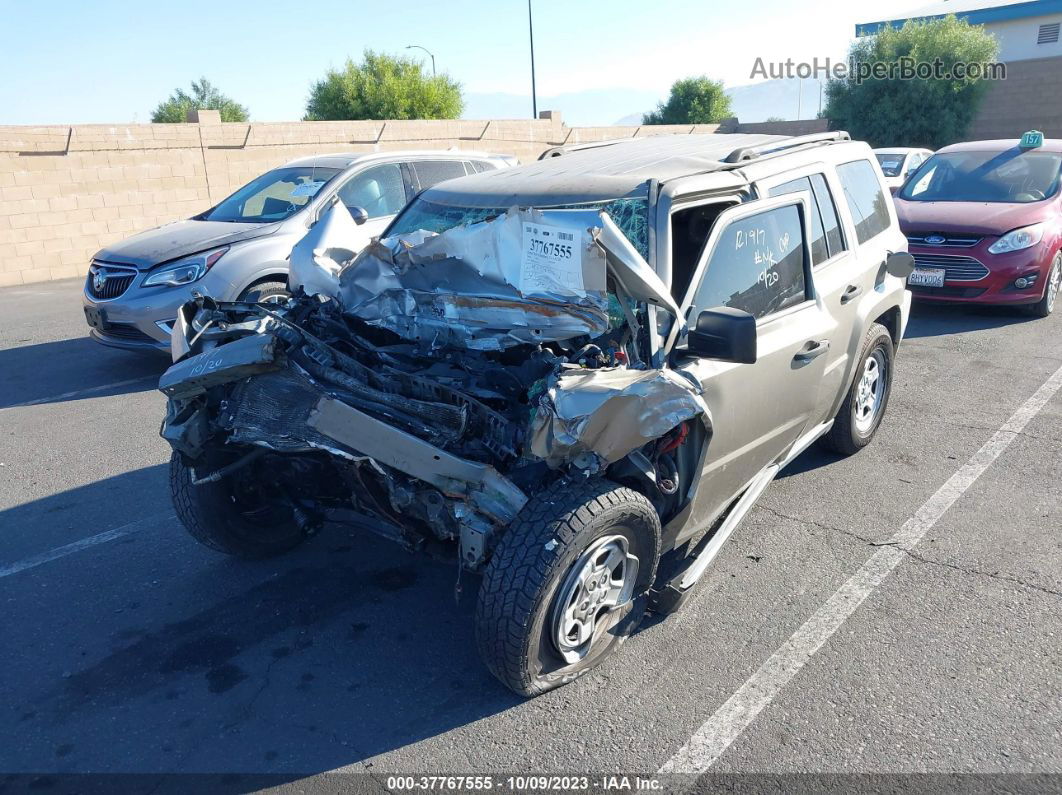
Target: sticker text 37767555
(551, 261)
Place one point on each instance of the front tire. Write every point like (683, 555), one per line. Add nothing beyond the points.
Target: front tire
(266, 293)
(1046, 305)
(868, 396)
(227, 517)
(567, 584)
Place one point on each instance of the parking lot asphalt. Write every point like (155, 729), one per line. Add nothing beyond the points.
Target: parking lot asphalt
(130, 648)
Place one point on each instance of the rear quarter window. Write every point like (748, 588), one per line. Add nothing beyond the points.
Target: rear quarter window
(865, 199)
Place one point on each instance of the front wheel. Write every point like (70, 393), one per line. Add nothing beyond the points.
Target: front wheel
(1046, 305)
(266, 293)
(235, 514)
(864, 406)
(567, 584)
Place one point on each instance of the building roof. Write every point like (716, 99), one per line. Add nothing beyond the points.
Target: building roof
(976, 12)
(599, 173)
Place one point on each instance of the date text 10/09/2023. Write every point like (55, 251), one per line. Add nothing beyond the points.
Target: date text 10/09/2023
(524, 783)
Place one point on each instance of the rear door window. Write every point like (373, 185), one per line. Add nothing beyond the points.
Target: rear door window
(866, 201)
(432, 172)
(826, 239)
(757, 265)
(819, 252)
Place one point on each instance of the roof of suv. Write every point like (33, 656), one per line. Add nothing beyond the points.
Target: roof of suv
(599, 172)
(347, 159)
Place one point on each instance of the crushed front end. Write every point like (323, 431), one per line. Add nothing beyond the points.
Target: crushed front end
(436, 384)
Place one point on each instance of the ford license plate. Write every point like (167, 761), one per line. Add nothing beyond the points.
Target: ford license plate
(926, 277)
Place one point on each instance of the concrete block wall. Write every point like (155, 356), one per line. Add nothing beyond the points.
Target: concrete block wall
(67, 191)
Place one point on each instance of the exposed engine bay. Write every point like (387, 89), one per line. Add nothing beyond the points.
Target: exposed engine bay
(435, 381)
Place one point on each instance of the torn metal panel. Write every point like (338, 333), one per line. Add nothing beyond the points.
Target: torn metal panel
(633, 273)
(487, 490)
(230, 362)
(320, 255)
(610, 412)
(520, 278)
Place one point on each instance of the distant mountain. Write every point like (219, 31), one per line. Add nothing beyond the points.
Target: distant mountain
(776, 98)
(611, 106)
(578, 108)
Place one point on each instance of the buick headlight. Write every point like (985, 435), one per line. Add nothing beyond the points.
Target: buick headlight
(184, 271)
(1018, 239)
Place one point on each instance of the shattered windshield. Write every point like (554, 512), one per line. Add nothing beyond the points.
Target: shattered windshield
(630, 215)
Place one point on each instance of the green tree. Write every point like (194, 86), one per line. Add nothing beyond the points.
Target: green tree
(695, 100)
(383, 87)
(922, 111)
(775, 119)
(204, 96)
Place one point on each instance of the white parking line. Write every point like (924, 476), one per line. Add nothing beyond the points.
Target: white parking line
(77, 546)
(717, 733)
(78, 392)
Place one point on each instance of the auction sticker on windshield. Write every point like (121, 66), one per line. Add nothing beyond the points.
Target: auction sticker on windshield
(926, 277)
(551, 261)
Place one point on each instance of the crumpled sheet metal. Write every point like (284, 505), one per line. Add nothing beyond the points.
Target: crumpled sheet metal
(610, 412)
(478, 287)
(320, 255)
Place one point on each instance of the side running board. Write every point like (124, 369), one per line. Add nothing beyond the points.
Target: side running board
(670, 596)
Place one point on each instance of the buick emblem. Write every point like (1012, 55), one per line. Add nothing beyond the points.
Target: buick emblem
(99, 279)
(935, 240)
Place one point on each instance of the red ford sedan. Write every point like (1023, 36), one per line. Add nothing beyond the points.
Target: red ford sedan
(983, 220)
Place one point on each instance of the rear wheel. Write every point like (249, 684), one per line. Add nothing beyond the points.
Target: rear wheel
(1046, 305)
(567, 584)
(231, 515)
(864, 406)
(266, 293)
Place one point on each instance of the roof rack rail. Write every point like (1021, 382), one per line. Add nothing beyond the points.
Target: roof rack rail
(563, 149)
(746, 153)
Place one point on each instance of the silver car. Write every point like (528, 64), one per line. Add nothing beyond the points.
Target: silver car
(238, 249)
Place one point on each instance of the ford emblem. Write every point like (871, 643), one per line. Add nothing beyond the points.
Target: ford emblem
(935, 240)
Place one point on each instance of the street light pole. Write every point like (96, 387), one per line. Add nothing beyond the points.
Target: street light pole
(531, 36)
(418, 47)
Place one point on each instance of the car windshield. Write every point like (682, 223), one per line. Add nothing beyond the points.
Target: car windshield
(891, 164)
(1013, 176)
(630, 215)
(273, 196)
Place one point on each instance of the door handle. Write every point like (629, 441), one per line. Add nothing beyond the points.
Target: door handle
(852, 291)
(813, 349)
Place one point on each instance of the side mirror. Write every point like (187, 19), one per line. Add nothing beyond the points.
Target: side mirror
(726, 334)
(359, 215)
(899, 264)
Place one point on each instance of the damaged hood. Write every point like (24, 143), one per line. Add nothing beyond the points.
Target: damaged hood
(527, 276)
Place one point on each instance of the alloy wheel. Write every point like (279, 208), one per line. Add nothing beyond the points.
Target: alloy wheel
(600, 581)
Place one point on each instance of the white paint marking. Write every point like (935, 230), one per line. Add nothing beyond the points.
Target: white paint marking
(717, 733)
(77, 546)
(79, 392)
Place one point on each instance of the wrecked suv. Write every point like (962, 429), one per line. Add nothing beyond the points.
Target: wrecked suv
(575, 376)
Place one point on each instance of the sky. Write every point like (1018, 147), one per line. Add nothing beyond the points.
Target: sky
(111, 61)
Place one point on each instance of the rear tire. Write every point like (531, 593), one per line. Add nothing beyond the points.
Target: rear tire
(1046, 305)
(868, 396)
(266, 292)
(219, 518)
(562, 592)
